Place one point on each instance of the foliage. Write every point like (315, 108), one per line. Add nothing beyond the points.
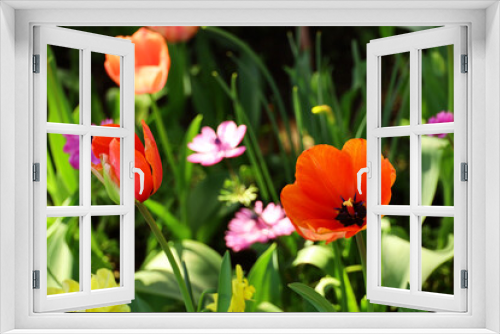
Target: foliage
(292, 91)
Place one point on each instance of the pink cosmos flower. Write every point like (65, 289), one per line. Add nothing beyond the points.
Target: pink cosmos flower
(72, 147)
(257, 225)
(211, 147)
(441, 117)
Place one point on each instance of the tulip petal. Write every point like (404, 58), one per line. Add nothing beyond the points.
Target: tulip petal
(356, 148)
(300, 207)
(325, 175)
(138, 144)
(114, 155)
(152, 156)
(152, 61)
(388, 179)
(142, 164)
(100, 145)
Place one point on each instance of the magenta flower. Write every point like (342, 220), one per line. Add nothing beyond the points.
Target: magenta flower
(211, 147)
(441, 117)
(257, 225)
(72, 147)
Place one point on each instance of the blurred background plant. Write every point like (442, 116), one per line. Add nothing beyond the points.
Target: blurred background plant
(292, 88)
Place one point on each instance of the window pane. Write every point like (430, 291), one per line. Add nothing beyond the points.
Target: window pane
(395, 77)
(106, 168)
(63, 170)
(437, 169)
(397, 151)
(437, 84)
(105, 81)
(437, 254)
(105, 261)
(63, 255)
(395, 252)
(63, 85)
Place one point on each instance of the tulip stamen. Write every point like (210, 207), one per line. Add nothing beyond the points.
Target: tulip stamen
(351, 212)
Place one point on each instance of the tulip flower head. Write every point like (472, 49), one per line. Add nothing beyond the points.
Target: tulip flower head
(175, 34)
(211, 147)
(152, 62)
(324, 202)
(147, 158)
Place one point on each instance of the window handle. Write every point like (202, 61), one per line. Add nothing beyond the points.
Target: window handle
(368, 171)
(141, 176)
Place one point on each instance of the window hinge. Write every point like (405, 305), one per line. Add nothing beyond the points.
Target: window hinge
(464, 171)
(36, 279)
(465, 64)
(36, 172)
(464, 279)
(36, 63)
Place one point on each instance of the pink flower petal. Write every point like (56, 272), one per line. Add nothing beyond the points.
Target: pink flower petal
(208, 133)
(205, 159)
(236, 139)
(235, 152)
(226, 130)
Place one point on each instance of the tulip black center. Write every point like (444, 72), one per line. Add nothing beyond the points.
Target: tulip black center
(351, 212)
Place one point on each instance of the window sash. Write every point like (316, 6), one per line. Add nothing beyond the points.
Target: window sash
(413, 43)
(86, 43)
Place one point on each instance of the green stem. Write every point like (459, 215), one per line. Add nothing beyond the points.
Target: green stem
(339, 269)
(163, 135)
(360, 241)
(170, 256)
(272, 84)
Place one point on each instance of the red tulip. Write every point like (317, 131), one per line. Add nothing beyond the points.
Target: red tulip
(152, 62)
(146, 158)
(175, 34)
(324, 202)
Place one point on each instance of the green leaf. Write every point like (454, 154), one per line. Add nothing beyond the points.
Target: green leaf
(225, 290)
(192, 131)
(318, 301)
(203, 205)
(162, 214)
(432, 151)
(320, 256)
(264, 276)
(202, 262)
(60, 260)
(112, 188)
(268, 307)
(395, 259)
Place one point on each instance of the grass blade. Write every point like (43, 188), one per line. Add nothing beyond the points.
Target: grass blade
(318, 301)
(225, 290)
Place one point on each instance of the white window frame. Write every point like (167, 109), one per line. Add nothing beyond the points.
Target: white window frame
(483, 21)
(414, 43)
(85, 43)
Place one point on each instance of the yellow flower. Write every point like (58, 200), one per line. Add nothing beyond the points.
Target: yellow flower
(324, 109)
(103, 279)
(242, 291)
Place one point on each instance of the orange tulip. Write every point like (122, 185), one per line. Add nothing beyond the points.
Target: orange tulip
(176, 34)
(146, 158)
(324, 203)
(152, 62)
